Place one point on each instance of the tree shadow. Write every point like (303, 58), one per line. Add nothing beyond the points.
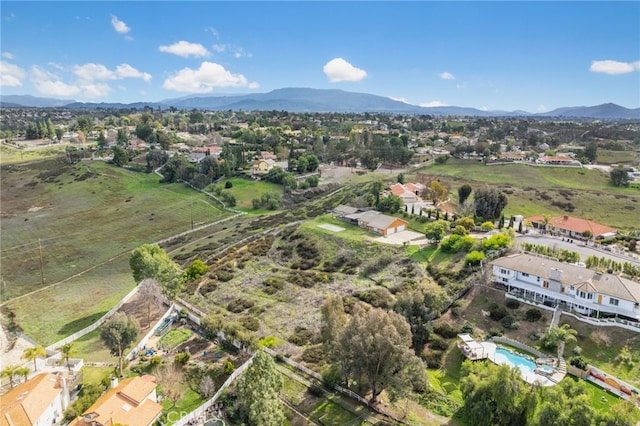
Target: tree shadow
(79, 324)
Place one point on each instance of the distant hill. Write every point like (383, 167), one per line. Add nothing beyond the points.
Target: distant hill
(604, 111)
(33, 101)
(323, 100)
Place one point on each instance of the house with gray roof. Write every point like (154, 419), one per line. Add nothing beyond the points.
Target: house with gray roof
(583, 290)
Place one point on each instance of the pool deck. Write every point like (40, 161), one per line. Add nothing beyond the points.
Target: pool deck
(487, 350)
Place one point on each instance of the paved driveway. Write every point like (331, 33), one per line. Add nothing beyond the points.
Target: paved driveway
(400, 238)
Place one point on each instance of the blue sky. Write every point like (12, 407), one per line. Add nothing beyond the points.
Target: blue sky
(533, 56)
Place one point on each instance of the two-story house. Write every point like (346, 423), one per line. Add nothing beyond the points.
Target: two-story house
(586, 291)
(132, 402)
(39, 401)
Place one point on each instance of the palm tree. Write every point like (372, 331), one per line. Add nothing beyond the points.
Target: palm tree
(32, 353)
(8, 373)
(67, 351)
(23, 371)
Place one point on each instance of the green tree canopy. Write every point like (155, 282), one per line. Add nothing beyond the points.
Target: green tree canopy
(151, 261)
(464, 192)
(436, 230)
(118, 333)
(619, 177)
(32, 353)
(375, 348)
(489, 203)
(258, 389)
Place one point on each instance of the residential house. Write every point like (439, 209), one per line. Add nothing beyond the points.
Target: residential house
(262, 166)
(37, 402)
(131, 402)
(583, 290)
(573, 227)
(408, 192)
(378, 223)
(558, 160)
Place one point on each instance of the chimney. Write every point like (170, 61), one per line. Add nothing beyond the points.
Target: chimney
(114, 382)
(566, 217)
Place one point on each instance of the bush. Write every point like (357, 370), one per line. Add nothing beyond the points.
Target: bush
(509, 323)
(533, 314)
(250, 323)
(332, 376)
(228, 184)
(182, 358)
(512, 304)
(433, 359)
(576, 350)
(494, 331)
(578, 362)
(316, 390)
(445, 330)
(467, 328)
(439, 344)
(301, 336)
(497, 312)
(238, 305)
(378, 297)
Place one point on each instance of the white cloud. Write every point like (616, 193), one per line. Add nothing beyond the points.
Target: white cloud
(92, 72)
(119, 25)
(219, 47)
(49, 84)
(212, 30)
(204, 79)
(614, 67)
(55, 65)
(11, 75)
(461, 86)
(186, 49)
(338, 70)
(127, 71)
(484, 108)
(8, 55)
(433, 104)
(447, 76)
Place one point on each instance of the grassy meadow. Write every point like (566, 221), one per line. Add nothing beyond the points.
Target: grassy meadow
(553, 191)
(70, 229)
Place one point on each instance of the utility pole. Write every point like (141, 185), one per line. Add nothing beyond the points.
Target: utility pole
(191, 209)
(41, 262)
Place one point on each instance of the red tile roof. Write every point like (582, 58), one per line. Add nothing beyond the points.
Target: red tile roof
(575, 224)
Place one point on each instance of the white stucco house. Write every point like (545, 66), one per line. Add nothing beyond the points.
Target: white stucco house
(583, 290)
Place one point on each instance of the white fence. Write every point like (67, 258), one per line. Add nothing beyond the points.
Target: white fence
(200, 413)
(95, 325)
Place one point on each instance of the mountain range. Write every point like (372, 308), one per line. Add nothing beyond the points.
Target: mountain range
(322, 100)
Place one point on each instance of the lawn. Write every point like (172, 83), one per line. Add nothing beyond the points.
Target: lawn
(90, 348)
(246, 190)
(95, 375)
(11, 155)
(617, 157)
(189, 402)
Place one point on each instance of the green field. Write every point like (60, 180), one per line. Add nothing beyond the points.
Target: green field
(72, 218)
(246, 190)
(11, 155)
(550, 191)
(70, 229)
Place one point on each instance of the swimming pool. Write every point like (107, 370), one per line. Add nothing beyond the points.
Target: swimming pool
(525, 365)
